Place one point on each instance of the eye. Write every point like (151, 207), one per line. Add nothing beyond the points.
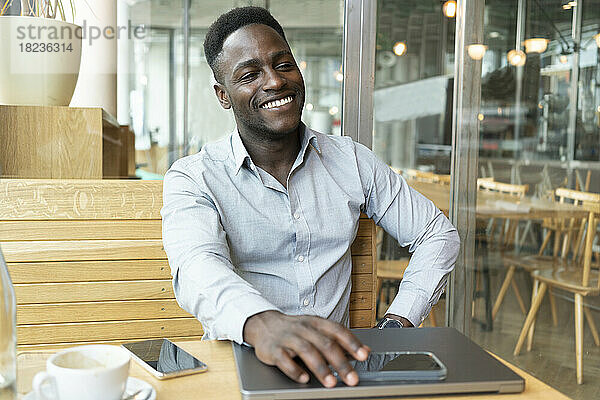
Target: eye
(248, 76)
(285, 65)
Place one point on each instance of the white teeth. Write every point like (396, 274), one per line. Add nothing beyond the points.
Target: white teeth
(277, 103)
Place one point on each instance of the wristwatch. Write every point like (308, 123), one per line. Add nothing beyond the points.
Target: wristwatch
(389, 323)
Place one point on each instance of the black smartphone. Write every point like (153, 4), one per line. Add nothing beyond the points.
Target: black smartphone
(164, 359)
(402, 365)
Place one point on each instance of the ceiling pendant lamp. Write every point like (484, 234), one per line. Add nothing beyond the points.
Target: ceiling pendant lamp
(399, 48)
(516, 58)
(449, 9)
(535, 45)
(476, 51)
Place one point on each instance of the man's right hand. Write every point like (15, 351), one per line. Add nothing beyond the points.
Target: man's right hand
(277, 338)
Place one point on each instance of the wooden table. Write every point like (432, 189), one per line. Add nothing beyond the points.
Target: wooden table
(498, 205)
(221, 382)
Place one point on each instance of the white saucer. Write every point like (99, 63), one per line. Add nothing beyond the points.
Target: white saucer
(133, 384)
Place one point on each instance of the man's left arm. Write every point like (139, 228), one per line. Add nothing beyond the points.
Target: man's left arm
(414, 221)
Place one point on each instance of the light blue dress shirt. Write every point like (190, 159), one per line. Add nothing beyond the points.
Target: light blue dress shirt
(240, 243)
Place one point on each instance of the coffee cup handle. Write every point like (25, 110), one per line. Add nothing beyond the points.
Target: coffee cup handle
(44, 386)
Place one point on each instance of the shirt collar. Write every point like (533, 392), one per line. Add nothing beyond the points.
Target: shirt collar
(308, 137)
(241, 156)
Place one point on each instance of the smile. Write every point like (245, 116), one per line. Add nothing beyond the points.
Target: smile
(278, 103)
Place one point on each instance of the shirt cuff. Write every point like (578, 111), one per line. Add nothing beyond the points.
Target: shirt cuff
(239, 311)
(409, 305)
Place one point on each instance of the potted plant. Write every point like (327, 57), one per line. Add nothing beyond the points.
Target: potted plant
(40, 53)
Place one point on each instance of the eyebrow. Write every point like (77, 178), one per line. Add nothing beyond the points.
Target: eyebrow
(255, 61)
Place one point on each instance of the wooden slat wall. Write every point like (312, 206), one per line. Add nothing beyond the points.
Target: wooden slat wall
(48, 199)
(88, 265)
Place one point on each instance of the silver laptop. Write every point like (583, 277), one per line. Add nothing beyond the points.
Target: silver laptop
(469, 369)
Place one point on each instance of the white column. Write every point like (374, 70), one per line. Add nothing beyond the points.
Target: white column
(97, 84)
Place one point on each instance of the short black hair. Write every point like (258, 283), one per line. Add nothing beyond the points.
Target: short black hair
(230, 22)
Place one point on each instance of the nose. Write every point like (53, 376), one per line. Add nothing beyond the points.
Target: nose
(273, 80)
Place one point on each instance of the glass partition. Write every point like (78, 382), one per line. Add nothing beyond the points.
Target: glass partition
(538, 124)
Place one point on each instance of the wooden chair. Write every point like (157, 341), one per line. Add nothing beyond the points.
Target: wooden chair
(575, 276)
(87, 263)
(508, 230)
(562, 229)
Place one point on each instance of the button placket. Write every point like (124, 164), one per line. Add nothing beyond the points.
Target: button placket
(301, 260)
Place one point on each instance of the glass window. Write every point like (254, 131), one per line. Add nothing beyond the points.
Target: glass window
(412, 109)
(413, 85)
(538, 132)
(153, 87)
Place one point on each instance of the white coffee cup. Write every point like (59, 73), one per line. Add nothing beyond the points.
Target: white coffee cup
(93, 372)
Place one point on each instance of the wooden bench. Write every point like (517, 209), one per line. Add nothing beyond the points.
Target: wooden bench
(87, 263)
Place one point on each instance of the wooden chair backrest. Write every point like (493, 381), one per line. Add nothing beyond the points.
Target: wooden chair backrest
(490, 185)
(87, 263)
(588, 248)
(590, 202)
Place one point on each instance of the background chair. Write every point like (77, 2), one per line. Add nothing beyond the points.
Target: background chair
(509, 228)
(575, 276)
(485, 240)
(562, 228)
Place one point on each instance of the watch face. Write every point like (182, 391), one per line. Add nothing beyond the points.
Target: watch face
(390, 323)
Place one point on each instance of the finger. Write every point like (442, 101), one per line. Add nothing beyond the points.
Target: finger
(291, 353)
(313, 360)
(333, 353)
(344, 337)
(288, 366)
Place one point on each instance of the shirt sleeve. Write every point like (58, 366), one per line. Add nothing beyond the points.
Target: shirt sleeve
(414, 221)
(204, 279)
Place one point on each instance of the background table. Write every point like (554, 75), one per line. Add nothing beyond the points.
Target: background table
(221, 382)
(498, 205)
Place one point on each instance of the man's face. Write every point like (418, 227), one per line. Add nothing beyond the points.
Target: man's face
(261, 82)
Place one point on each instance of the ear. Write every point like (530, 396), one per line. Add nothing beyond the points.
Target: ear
(222, 96)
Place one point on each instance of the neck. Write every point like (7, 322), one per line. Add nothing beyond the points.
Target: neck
(272, 153)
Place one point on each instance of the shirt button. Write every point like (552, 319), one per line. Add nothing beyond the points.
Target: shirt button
(297, 215)
(300, 258)
(306, 302)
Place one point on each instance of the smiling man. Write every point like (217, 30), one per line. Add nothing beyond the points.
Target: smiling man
(258, 226)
